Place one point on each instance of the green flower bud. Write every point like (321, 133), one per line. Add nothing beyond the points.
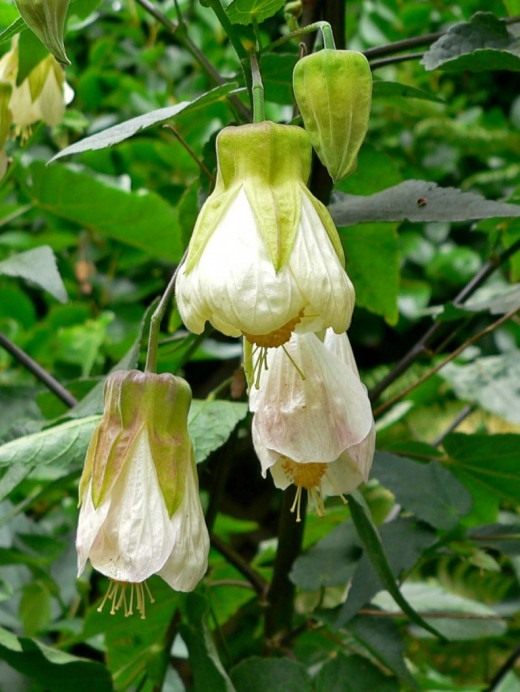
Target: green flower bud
(46, 18)
(333, 90)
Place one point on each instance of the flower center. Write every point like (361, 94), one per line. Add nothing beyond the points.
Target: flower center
(278, 337)
(126, 595)
(305, 477)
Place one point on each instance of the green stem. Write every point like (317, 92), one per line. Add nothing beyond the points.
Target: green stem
(328, 36)
(156, 319)
(308, 29)
(257, 91)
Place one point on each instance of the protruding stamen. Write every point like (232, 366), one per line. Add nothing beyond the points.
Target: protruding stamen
(120, 599)
(278, 337)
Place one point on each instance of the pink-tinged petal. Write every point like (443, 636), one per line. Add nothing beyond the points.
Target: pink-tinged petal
(89, 525)
(188, 560)
(311, 406)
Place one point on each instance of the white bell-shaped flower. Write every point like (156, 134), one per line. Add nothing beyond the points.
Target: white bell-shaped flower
(140, 508)
(265, 258)
(313, 425)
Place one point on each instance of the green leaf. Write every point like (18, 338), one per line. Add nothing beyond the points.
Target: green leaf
(352, 674)
(483, 43)
(50, 668)
(252, 11)
(493, 382)
(490, 461)
(16, 27)
(404, 541)
(112, 212)
(211, 423)
(374, 548)
(417, 200)
(35, 607)
(63, 445)
(277, 71)
(383, 641)
(208, 671)
(430, 597)
(257, 674)
(128, 128)
(373, 263)
(384, 89)
(330, 562)
(37, 266)
(428, 490)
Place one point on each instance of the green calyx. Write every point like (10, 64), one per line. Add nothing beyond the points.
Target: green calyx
(46, 18)
(136, 404)
(270, 163)
(333, 90)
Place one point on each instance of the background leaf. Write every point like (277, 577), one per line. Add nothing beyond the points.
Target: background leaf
(37, 266)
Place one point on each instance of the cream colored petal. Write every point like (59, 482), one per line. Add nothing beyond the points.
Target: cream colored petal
(313, 413)
(51, 101)
(341, 477)
(280, 477)
(188, 560)
(234, 284)
(90, 522)
(328, 292)
(21, 105)
(136, 537)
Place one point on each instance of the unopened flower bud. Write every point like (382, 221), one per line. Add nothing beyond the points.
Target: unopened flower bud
(46, 18)
(333, 90)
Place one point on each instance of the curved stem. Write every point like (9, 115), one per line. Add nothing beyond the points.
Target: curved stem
(156, 319)
(384, 62)
(328, 36)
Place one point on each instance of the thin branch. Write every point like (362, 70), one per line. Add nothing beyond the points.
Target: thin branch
(254, 578)
(280, 597)
(504, 669)
(200, 163)
(414, 41)
(421, 346)
(395, 59)
(439, 366)
(178, 29)
(156, 319)
(461, 416)
(38, 371)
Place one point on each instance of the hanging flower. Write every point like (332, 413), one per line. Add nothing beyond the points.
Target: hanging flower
(313, 425)
(265, 257)
(140, 508)
(40, 96)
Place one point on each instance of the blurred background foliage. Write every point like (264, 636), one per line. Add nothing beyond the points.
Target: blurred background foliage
(108, 227)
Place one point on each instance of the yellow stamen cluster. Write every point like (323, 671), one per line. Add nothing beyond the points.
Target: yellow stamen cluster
(125, 595)
(306, 477)
(278, 337)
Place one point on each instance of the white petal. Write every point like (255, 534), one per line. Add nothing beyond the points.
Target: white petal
(51, 101)
(341, 477)
(327, 290)
(313, 419)
(280, 477)
(90, 522)
(188, 560)
(234, 284)
(136, 537)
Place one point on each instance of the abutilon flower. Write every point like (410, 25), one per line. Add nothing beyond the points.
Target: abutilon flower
(313, 425)
(140, 509)
(265, 258)
(40, 97)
